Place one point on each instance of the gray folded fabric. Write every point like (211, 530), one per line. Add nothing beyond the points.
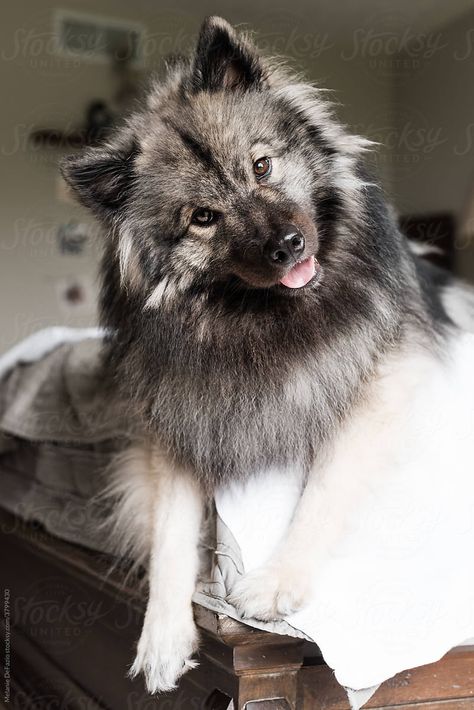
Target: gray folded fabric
(63, 397)
(60, 425)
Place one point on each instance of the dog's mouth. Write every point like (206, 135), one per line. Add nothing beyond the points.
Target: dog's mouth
(301, 273)
(293, 279)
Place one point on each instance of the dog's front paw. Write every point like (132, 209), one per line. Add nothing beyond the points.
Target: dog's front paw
(164, 652)
(270, 592)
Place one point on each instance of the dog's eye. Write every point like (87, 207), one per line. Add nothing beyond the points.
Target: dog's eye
(203, 217)
(262, 168)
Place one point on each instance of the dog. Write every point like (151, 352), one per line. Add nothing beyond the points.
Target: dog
(263, 310)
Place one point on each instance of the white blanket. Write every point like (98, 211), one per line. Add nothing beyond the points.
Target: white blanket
(399, 590)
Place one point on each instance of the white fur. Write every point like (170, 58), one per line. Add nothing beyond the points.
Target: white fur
(157, 296)
(130, 271)
(344, 177)
(158, 515)
(167, 289)
(130, 489)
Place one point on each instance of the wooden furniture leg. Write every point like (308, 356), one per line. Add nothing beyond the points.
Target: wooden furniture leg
(249, 669)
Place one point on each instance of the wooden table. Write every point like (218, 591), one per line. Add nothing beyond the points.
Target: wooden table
(74, 628)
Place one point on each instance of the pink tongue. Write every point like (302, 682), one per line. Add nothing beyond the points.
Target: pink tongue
(300, 274)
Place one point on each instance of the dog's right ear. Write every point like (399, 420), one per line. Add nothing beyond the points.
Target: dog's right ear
(101, 176)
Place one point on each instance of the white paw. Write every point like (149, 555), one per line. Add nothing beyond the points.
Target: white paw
(270, 592)
(164, 651)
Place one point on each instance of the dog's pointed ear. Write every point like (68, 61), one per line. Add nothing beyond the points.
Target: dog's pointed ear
(224, 60)
(101, 177)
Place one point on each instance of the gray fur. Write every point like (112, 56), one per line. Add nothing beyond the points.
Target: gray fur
(229, 370)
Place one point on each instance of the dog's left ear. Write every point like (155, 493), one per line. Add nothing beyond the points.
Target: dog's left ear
(100, 177)
(224, 60)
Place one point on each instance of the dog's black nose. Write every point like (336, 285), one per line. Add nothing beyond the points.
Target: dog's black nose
(285, 248)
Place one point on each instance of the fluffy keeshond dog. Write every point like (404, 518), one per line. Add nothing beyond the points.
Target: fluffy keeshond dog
(263, 311)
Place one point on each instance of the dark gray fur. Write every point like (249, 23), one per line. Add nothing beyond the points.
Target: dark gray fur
(232, 373)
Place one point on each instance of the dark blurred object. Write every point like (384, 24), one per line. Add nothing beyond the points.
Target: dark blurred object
(437, 233)
(72, 238)
(55, 138)
(99, 121)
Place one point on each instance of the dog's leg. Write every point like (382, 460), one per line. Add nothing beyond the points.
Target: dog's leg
(169, 635)
(364, 450)
(283, 585)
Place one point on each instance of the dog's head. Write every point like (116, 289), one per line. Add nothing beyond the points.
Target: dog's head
(232, 172)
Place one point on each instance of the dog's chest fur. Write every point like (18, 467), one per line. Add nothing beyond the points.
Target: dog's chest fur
(231, 422)
(242, 399)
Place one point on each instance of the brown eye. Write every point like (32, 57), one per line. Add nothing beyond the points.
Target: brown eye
(262, 168)
(203, 217)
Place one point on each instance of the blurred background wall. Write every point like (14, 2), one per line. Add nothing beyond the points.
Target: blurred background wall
(402, 73)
